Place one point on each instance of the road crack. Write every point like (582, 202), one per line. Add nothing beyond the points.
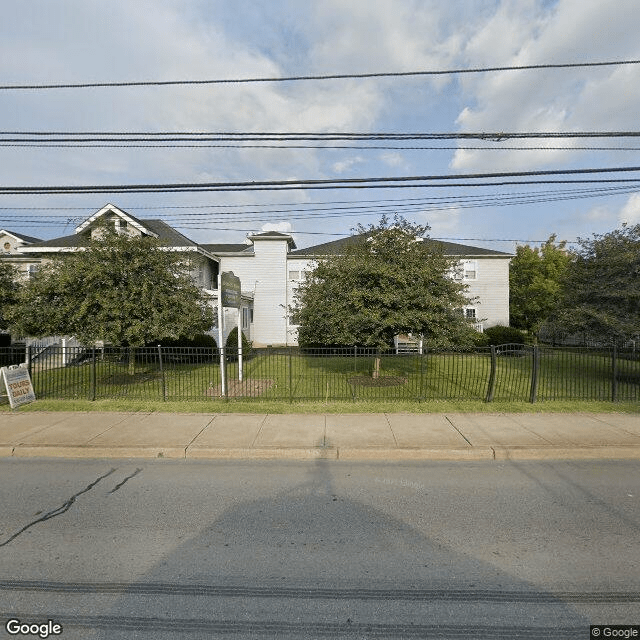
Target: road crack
(133, 475)
(58, 511)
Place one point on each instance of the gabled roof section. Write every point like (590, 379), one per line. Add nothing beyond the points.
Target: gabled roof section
(167, 234)
(111, 209)
(228, 248)
(19, 236)
(336, 247)
(159, 229)
(273, 235)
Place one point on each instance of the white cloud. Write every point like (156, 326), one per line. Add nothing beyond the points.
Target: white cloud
(393, 159)
(442, 222)
(521, 32)
(345, 165)
(630, 213)
(283, 227)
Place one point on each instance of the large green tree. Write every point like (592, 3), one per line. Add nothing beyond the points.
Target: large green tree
(601, 290)
(121, 289)
(9, 288)
(535, 277)
(387, 280)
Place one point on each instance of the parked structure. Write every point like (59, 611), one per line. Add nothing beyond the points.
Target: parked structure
(270, 268)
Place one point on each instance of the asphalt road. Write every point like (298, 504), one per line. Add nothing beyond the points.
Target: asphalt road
(325, 549)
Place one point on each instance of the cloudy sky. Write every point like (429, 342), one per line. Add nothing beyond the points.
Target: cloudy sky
(86, 41)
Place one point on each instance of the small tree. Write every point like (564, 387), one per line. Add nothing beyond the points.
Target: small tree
(388, 280)
(231, 345)
(535, 277)
(124, 290)
(601, 290)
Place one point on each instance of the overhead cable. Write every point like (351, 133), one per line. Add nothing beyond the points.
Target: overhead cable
(302, 78)
(344, 183)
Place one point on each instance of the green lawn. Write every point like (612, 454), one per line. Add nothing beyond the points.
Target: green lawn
(278, 377)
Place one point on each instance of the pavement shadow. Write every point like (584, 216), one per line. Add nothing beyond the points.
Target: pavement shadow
(312, 562)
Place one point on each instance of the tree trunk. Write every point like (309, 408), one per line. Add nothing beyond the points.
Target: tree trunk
(376, 367)
(132, 360)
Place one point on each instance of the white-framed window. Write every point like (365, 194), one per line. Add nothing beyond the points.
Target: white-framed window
(247, 317)
(470, 270)
(470, 313)
(297, 274)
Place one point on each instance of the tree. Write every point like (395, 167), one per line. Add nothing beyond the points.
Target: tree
(386, 281)
(124, 290)
(535, 277)
(601, 290)
(9, 288)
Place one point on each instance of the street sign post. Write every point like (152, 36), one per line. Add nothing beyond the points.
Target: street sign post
(230, 292)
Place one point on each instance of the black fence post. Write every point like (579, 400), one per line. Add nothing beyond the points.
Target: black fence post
(491, 391)
(535, 370)
(614, 373)
(421, 355)
(224, 373)
(28, 358)
(164, 385)
(93, 373)
(290, 375)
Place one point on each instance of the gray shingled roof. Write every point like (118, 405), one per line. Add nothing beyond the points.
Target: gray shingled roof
(448, 248)
(228, 248)
(166, 234)
(21, 236)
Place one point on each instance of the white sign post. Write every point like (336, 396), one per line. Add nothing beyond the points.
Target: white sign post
(229, 295)
(223, 382)
(18, 384)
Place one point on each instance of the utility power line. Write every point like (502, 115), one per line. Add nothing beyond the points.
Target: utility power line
(344, 183)
(303, 78)
(292, 136)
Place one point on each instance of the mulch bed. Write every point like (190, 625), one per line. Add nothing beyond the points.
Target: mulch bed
(382, 381)
(251, 388)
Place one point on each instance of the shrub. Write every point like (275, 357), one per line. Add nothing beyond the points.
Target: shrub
(231, 345)
(504, 335)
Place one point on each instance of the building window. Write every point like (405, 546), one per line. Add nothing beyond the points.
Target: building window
(33, 269)
(247, 317)
(470, 270)
(470, 313)
(7, 246)
(294, 275)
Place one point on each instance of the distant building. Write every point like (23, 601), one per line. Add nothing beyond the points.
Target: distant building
(270, 268)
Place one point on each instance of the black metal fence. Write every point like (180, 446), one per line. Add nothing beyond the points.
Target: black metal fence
(505, 372)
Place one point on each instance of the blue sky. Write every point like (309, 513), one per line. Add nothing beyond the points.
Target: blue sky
(79, 41)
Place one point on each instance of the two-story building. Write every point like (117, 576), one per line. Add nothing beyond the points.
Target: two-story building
(269, 266)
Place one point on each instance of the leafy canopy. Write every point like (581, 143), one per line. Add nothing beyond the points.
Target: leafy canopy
(535, 277)
(386, 281)
(601, 290)
(123, 289)
(9, 288)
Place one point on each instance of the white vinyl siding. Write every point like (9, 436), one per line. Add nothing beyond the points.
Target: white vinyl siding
(265, 273)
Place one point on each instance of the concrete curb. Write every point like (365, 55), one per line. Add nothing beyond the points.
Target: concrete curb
(56, 451)
(475, 453)
(631, 452)
(264, 453)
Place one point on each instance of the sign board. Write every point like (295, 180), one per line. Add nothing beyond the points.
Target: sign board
(18, 384)
(230, 290)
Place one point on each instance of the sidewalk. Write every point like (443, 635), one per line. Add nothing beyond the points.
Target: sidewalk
(386, 436)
